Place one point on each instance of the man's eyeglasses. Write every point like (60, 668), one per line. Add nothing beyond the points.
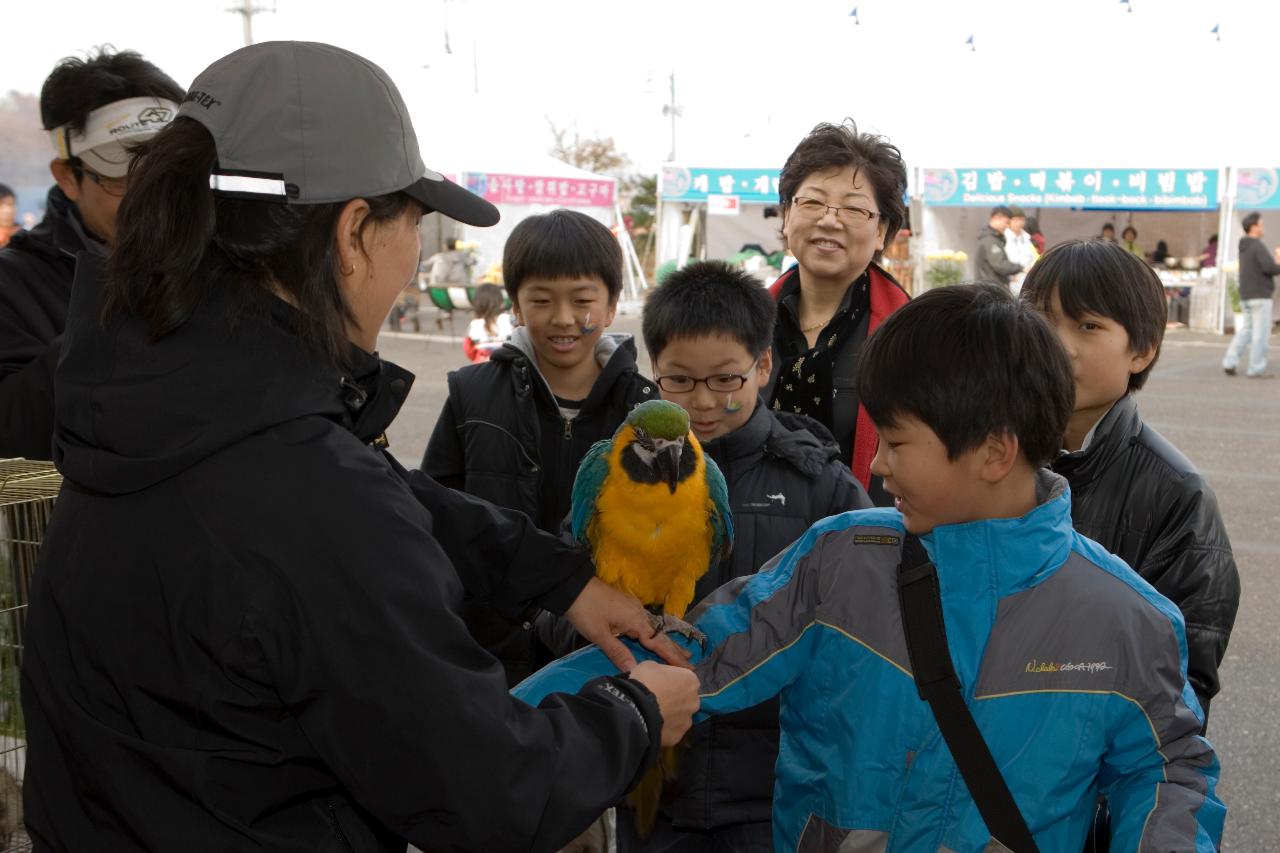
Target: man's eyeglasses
(720, 383)
(812, 208)
(111, 186)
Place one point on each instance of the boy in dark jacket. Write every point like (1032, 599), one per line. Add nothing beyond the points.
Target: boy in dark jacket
(1132, 491)
(514, 429)
(709, 331)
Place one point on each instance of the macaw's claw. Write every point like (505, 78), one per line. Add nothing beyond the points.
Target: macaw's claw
(665, 623)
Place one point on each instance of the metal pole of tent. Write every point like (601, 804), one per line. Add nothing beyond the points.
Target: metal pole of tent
(1226, 215)
(917, 252)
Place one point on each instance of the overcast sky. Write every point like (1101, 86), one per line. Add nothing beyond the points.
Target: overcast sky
(1051, 82)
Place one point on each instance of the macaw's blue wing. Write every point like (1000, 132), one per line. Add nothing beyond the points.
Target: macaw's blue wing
(722, 518)
(587, 483)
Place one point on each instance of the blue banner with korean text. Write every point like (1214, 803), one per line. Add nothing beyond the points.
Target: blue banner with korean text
(688, 183)
(1097, 189)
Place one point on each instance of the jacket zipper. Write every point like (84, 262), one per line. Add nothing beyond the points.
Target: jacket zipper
(568, 429)
(337, 828)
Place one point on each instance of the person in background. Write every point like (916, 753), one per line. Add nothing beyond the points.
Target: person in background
(1129, 242)
(841, 200)
(991, 261)
(8, 214)
(94, 110)
(492, 324)
(1258, 269)
(1209, 256)
(1161, 252)
(1018, 246)
(1037, 236)
(1108, 233)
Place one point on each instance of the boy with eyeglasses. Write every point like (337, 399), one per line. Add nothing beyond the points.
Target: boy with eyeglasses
(709, 331)
(95, 110)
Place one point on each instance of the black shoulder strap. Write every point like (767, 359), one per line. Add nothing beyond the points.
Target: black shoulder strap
(935, 677)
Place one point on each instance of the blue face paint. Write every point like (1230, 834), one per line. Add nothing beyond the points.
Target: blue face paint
(732, 406)
(587, 326)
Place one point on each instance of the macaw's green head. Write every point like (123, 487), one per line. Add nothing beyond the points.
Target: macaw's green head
(658, 451)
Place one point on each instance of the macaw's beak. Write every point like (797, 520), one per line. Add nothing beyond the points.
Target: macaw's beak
(667, 461)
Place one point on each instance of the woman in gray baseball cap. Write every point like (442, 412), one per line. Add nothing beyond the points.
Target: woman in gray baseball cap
(244, 633)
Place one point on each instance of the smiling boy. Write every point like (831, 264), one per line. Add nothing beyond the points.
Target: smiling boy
(514, 429)
(1073, 667)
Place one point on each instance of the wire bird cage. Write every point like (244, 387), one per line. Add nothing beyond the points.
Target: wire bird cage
(27, 492)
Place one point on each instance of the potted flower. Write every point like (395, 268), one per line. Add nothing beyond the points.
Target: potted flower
(945, 267)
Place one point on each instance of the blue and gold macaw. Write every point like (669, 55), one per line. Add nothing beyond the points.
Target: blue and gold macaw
(654, 511)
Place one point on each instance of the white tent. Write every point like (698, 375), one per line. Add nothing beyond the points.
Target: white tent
(521, 182)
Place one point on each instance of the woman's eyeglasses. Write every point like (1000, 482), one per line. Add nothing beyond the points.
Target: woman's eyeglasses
(812, 208)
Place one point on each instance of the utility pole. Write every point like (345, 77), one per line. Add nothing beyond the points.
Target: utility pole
(247, 10)
(671, 108)
(447, 49)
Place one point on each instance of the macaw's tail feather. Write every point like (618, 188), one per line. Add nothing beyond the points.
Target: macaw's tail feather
(646, 797)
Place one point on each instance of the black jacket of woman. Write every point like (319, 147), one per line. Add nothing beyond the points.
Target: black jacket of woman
(244, 631)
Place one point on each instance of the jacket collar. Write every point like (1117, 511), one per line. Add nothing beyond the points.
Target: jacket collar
(747, 440)
(1110, 437)
(60, 232)
(1005, 555)
(132, 412)
(981, 562)
(614, 352)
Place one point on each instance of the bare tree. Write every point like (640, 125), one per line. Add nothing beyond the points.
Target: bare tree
(599, 155)
(25, 154)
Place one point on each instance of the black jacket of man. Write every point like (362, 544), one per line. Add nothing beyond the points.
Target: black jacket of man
(1136, 495)
(244, 632)
(1258, 269)
(36, 270)
(991, 262)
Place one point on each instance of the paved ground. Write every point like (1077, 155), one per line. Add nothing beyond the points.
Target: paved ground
(1229, 427)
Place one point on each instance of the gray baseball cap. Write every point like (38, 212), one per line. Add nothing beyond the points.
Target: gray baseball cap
(308, 123)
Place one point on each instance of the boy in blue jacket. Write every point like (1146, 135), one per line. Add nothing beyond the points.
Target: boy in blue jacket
(1073, 667)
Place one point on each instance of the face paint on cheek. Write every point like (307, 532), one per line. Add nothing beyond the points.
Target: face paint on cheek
(587, 326)
(732, 406)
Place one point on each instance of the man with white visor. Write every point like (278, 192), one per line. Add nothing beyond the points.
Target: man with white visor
(95, 110)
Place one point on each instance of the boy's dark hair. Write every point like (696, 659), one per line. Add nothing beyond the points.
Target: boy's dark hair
(1107, 226)
(6, 191)
(830, 146)
(1097, 277)
(562, 244)
(708, 298)
(1249, 221)
(77, 87)
(1000, 210)
(969, 361)
(450, 243)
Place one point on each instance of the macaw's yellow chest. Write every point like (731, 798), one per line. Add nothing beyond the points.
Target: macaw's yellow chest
(652, 542)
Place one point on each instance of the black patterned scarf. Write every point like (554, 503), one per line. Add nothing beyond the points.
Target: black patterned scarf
(805, 385)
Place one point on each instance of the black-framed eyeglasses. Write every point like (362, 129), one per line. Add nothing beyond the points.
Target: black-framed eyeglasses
(719, 383)
(812, 208)
(111, 186)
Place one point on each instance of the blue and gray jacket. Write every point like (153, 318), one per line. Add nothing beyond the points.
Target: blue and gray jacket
(1073, 667)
